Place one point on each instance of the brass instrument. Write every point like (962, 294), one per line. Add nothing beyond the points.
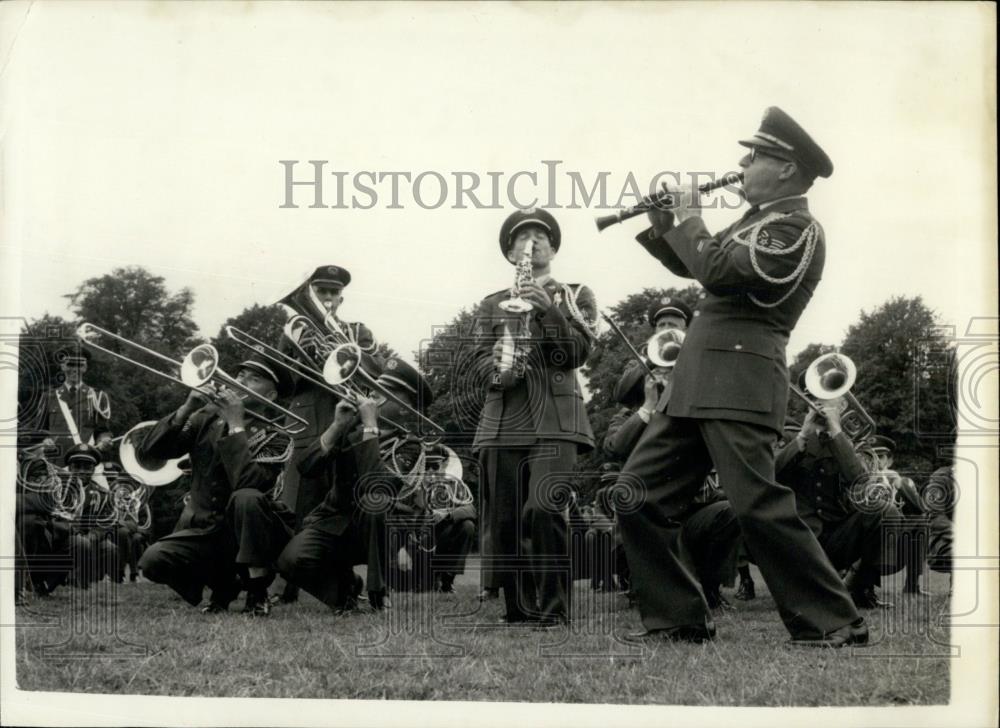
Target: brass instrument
(514, 349)
(338, 372)
(663, 200)
(831, 376)
(147, 471)
(199, 370)
(664, 347)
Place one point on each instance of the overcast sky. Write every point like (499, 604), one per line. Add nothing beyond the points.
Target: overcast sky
(152, 136)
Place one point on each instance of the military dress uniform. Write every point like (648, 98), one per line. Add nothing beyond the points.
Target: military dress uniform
(709, 531)
(72, 413)
(727, 408)
(823, 474)
(528, 438)
(348, 527)
(231, 523)
(303, 492)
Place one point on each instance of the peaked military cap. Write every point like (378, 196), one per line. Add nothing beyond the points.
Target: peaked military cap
(83, 453)
(781, 135)
(400, 375)
(529, 216)
(277, 374)
(669, 305)
(332, 275)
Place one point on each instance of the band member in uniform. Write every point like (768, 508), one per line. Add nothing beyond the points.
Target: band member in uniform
(319, 298)
(730, 392)
(710, 532)
(348, 527)
(87, 531)
(231, 526)
(533, 423)
(821, 465)
(75, 412)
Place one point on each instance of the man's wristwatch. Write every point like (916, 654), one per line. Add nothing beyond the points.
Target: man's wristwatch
(234, 430)
(365, 431)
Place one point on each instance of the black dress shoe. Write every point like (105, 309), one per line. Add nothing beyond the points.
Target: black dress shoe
(855, 633)
(447, 585)
(746, 591)
(257, 605)
(869, 599)
(912, 588)
(696, 633)
(215, 608)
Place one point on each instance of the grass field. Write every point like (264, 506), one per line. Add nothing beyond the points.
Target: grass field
(141, 639)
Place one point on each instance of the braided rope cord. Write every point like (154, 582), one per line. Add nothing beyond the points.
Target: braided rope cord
(749, 237)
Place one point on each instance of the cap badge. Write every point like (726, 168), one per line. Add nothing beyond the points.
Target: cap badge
(391, 364)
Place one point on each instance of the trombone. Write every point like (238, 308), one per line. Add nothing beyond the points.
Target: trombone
(831, 376)
(335, 374)
(199, 369)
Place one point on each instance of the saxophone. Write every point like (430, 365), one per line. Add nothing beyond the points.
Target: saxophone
(515, 347)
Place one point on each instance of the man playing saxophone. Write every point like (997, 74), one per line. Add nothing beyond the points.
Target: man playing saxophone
(533, 422)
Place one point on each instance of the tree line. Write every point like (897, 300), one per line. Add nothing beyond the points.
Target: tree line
(903, 381)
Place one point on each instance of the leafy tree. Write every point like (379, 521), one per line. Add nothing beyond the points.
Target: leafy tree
(134, 304)
(261, 322)
(909, 399)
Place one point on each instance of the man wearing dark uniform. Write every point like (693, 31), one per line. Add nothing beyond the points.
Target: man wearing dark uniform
(821, 465)
(349, 526)
(319, 298)
(75, 412)
(729, 396)
(709, 532)
(533, 422)
(231, 526)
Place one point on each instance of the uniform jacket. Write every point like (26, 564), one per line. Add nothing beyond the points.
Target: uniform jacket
(81, 407)
(820, 475)
(732, 364)
(220, 463)
(360, 474)
(316, 406)
(547, 404)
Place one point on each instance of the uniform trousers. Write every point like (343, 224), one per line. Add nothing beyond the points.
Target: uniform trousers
(321, 558)
(525, 504)
(868, 538)
(711, 536)
(251, 533)
(663, 475)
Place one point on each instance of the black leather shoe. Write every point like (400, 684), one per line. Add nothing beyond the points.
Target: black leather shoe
(912, 588)
(696, 633)
(746, 591)
(869, 599)
(850, 634)
(215, 608)
(257, 605)
(447, 585)
(378, 600)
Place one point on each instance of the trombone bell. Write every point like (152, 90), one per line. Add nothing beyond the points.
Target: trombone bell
(341, 364)
(664, 347)
(199, 366)
(830, 376)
